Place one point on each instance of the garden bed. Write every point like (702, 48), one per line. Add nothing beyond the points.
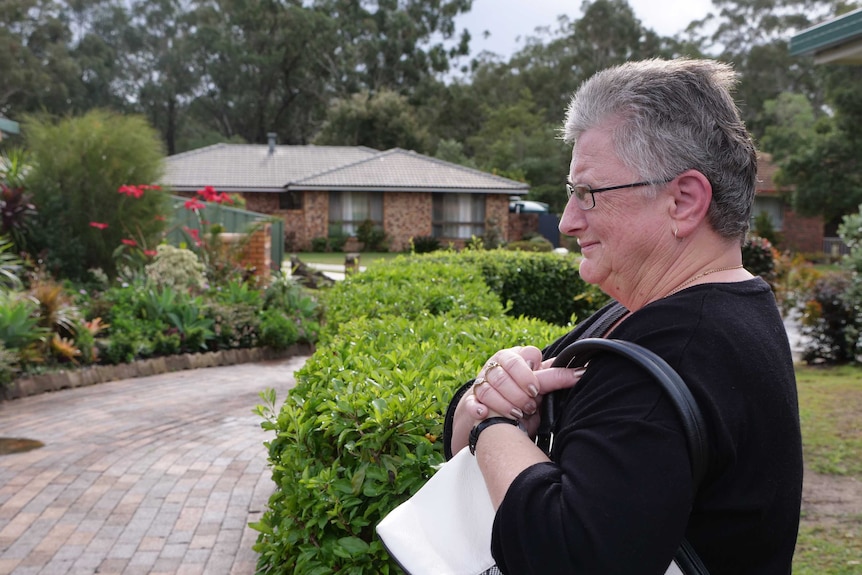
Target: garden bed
(65, 379)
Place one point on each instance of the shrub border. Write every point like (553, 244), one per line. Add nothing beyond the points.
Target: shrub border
(67, 379)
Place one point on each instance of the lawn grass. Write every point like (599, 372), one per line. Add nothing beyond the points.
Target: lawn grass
(830, 402)
(337, 258)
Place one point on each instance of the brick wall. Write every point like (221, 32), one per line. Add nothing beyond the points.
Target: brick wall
(300, 226)
(257, 251)
(405, 215)
(801, 234)
(521, 224)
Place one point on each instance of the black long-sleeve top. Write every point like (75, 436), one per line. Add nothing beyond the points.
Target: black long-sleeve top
(618, 496)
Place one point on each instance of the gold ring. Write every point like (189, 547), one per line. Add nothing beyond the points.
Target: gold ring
(476, 383)
(491, 365)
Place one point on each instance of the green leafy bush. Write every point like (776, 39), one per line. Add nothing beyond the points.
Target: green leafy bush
(424, 244)
(82, 169)
(277, 330)
(359, 433)
(537, 244)
(411, 287)
(372, 236)
(8, 365)
(828, 321)
(546, 286)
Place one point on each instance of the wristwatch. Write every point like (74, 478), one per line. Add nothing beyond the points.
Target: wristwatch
(486, 423)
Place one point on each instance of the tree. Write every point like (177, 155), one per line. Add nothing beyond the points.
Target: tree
(394, 44)
(80, 165)
(381, 121)
(261, 68)
(37, 72)
(824, 167)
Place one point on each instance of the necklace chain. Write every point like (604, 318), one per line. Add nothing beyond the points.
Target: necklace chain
(690, 281)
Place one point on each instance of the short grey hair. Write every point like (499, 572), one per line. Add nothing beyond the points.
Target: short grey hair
(669, 116)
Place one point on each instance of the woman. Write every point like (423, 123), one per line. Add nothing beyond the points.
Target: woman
(661, 190)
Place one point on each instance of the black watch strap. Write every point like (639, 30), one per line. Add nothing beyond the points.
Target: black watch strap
(484, 424)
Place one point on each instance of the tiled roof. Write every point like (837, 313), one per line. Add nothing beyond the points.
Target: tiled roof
(233, 167)
(252, 167)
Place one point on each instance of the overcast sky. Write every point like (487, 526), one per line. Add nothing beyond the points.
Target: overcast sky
(506, 20)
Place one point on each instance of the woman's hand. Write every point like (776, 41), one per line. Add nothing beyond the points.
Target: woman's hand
(512, 383)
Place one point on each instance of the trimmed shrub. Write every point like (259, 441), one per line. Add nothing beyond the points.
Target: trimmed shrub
(359, 434)
(411, 287)
(546, 286)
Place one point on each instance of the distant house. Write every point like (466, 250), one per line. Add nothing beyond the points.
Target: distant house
(798, 234)
(321, 191)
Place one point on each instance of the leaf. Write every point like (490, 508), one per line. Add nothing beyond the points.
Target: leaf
(353, 545)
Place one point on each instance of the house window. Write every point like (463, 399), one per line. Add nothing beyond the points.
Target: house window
(290, 200)
(773, 207)
(347, 211)
(458, 216)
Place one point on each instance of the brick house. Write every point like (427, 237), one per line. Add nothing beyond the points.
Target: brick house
(798, 234)
(324, 190)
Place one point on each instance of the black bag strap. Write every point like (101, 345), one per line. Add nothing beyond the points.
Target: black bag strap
(577, 354)
(610, 314)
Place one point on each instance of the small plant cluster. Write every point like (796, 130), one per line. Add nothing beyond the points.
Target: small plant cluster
(759, 257)
(360, 431)
(164, 310)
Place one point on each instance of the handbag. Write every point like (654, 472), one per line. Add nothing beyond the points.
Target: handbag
(445, 528)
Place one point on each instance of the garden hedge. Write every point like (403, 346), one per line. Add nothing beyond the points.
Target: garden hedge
(361, 430)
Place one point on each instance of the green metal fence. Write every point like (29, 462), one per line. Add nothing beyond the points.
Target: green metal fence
(233, 220)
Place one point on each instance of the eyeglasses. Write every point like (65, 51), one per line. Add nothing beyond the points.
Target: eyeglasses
(586, 196)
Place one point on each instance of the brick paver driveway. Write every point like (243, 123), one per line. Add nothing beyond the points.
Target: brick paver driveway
(151, 475)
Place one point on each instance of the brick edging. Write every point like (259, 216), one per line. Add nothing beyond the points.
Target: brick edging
(66, 379)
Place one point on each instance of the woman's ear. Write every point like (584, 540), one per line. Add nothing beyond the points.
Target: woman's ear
(692, 195)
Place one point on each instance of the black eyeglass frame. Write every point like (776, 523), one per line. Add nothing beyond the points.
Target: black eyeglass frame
(571, 190)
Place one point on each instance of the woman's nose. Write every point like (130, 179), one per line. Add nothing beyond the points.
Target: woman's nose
(573, 218)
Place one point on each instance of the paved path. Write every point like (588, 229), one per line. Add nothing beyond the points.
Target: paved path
(151, 475)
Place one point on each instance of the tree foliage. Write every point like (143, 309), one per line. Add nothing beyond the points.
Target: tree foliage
(387, 73)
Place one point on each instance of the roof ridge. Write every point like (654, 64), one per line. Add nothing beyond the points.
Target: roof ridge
(474, 171)
(396, 150)
(197, 151)
(375, 154)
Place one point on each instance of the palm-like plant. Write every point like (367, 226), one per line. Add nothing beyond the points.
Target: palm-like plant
(10, 266)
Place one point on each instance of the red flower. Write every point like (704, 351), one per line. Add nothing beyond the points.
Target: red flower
(150, 253)
(194, 204)
(132, 191)
(98, 225)
(193, 232)
(159, 218)
(208, 193)
(224, 199)
(129, 242)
